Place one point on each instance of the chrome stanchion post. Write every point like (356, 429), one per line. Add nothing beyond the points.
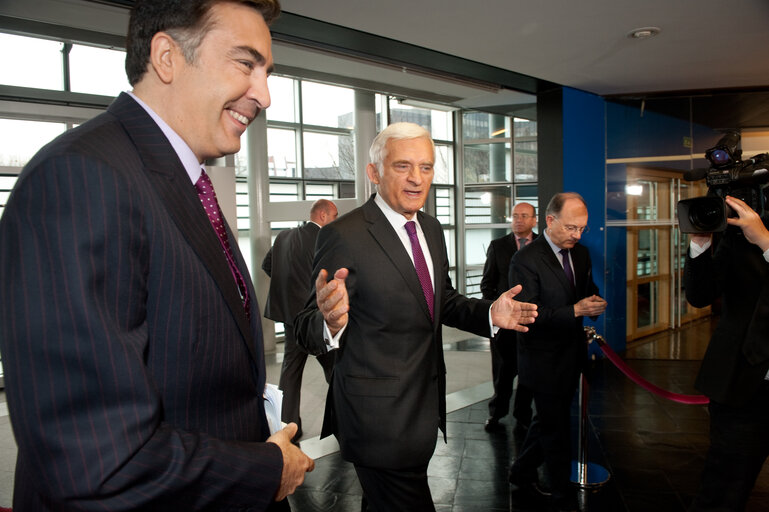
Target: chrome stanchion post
(583, 473)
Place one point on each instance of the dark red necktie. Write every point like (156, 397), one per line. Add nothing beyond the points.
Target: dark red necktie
(207, 196)
(567, 266)
(421, 266)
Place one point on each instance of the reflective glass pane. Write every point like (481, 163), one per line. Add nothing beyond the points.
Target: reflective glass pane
(22, 139)
(648, 257)
(525, 127)
(97, 70)
(284, 192)
(473, 278)
(488, 205)
(328, 156)
(476, 243)
(327, 105)
(487, 163)
(281, 148)
(444, 205)
(314, 191)
(39, 65)
(439, 123)
(526, 161)
(451, 245)
(444, 165)
(481, 125)
(283, 101)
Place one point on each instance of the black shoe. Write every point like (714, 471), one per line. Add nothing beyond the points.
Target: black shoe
(492, 424)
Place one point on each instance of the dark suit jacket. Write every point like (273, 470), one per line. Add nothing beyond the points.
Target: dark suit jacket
(134, 379)
(551, 354)
(737, 357)
(495, 280)
(289, 265)
(387, 397)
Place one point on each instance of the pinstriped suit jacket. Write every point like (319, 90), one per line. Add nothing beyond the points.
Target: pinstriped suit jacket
(134, 380)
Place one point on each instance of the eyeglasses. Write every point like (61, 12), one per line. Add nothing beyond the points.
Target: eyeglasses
(573, 229)
(522, 216)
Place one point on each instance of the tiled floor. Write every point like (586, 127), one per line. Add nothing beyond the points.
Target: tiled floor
(653, 448)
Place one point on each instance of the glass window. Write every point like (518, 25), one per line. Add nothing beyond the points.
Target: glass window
(40, 65)
(444, 205)
(283, 99)
(525, 127)
(327, 105)
(281, 149)
(22, 139)
(526, 161)
(476, 244)
(318, 191)
(444, 164)
(488, 205)
(440, 124)
(280, 192)
(486, 163)
(482, 126)
(328, 156)
(241, 203)
(97, 70)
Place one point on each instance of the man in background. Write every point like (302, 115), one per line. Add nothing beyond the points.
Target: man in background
(556, 274)
(504, 359)
(382, 312)
(735, 370)
(288, 263)
(130, 332)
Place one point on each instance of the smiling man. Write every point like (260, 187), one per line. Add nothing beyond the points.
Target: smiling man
(383, 311)
(129, 330)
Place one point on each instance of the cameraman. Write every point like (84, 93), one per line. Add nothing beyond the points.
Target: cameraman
(735, 368)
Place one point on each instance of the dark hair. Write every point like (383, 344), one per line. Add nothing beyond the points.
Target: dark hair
(187, 21)
(555, 205)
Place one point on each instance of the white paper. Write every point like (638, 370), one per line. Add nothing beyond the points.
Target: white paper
(273, 404)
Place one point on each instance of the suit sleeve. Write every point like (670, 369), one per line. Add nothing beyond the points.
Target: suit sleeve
(525, 270)
(86, 409)
(701, 286)
(309, 323)
(267, 263)
(490, 277)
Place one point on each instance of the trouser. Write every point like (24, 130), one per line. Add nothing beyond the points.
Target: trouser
(739, 445)
(388, 490)
(294, 359)
(504, 368)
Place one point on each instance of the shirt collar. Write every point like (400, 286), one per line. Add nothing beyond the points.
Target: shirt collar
(182, 150)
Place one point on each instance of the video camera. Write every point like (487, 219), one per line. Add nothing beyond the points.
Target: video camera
(727, 175)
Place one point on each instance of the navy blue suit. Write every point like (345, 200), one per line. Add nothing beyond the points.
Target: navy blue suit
(134, 378)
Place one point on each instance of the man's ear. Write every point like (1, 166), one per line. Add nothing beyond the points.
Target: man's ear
(372, 173)
(164, 53)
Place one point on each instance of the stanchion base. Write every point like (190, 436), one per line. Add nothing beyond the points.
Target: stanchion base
(597, 475)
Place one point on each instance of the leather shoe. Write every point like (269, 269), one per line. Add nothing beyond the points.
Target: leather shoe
(492, 424)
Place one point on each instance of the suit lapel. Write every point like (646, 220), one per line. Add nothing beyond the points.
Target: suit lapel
(382, 231)
(551, 261)
(172, 183)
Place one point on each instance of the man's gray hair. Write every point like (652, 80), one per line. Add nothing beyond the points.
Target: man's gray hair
(396, 131)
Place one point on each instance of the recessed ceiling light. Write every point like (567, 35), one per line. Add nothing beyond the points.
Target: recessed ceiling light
(644, 32)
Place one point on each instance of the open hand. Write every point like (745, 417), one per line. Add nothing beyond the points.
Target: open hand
(508, 313)
(332, 299)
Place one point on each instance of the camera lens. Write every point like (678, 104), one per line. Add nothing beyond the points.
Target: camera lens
(719, 157)
(707, 215)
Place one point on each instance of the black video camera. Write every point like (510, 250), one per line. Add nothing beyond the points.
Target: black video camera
(727, 175)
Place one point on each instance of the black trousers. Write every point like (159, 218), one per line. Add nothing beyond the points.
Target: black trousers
(294, 359)
(739, 445)
(388, 490)
(548, 441)
(504, 368)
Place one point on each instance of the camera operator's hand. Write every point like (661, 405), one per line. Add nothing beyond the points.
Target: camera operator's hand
(749, 222)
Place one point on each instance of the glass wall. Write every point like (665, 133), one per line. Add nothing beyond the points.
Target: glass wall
(500, 170)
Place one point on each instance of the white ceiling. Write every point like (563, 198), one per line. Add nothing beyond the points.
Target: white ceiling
(703, 44)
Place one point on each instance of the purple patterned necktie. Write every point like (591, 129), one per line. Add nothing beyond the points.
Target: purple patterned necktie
(421, 266)
(207, 196)
(567, 266)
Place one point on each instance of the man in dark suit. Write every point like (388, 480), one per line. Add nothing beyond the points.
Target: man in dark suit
(289, 265)
(504, 358)
(129, 330)
(735, 368)
(555, 271)
(383, 309)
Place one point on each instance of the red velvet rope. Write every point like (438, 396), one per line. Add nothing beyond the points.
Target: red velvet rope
(632, 375)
